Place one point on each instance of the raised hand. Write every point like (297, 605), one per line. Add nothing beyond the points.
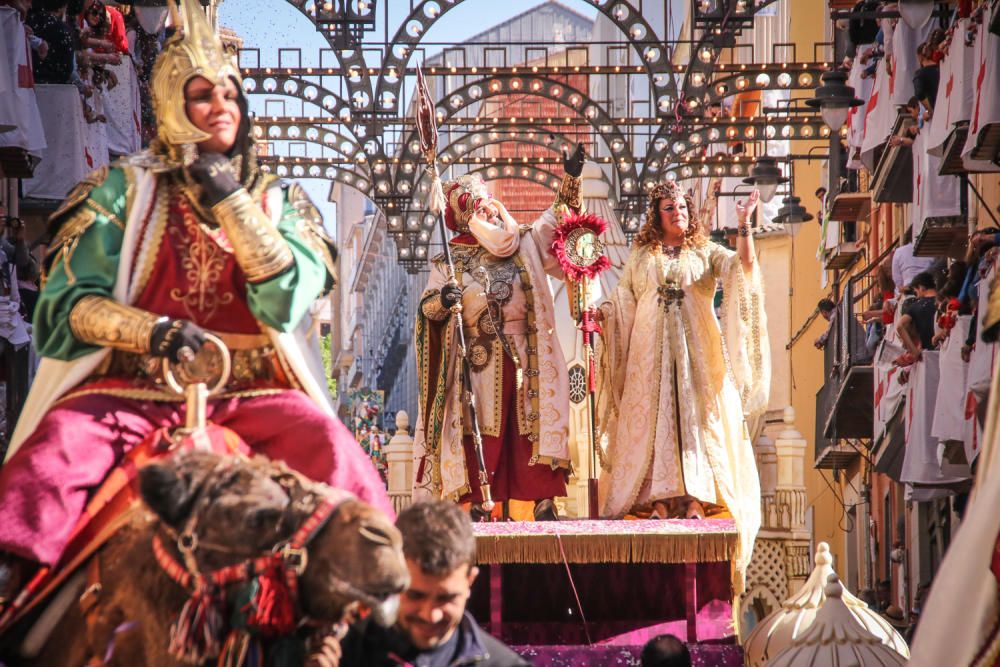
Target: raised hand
(745, 208)
(573, 162)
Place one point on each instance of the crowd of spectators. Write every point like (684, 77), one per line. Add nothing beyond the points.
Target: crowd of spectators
(89, 44)
(76, 42)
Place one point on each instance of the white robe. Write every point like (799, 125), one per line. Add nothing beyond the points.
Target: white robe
(677, 388)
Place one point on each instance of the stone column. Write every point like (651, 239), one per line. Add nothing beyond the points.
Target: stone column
(790, 500)
(399, 459)
(767, 468)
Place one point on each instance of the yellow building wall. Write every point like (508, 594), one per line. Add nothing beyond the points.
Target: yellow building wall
(809, 20)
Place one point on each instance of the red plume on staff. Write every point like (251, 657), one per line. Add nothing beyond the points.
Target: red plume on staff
(426, 122)
(428, 133)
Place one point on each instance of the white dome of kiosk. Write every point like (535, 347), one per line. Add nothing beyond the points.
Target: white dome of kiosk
(836, 639)
(780, 629)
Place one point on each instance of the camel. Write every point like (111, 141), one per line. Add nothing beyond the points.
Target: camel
(237, 509)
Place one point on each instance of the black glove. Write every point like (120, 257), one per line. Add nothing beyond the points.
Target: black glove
(169, 336)
(573, 162)
(216, 176)
(450, 295)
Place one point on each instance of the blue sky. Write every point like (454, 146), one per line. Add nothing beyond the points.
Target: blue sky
(281, 25)
(270, 25)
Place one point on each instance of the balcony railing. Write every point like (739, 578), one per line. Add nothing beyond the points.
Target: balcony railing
(844, 405)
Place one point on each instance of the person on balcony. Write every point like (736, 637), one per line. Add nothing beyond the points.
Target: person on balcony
(184, 238)
(518, 371)
(683, 385)
(47, 20)
(905, 266)
(916, 324)
(828, 311)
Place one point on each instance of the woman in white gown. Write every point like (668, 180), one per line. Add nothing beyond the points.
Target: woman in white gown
(677, 388)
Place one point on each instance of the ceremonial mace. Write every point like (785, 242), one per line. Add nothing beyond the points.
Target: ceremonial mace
(578, 247)
(427, 131)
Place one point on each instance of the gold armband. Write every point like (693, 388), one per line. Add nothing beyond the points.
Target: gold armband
(431, 306)
(260, 249)
(569, 193)
(98, 320)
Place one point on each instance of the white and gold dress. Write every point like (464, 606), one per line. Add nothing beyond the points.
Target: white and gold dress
(679, 384)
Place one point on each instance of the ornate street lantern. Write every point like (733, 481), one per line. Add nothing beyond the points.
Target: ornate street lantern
(766, 177)
(792, 212)
(834, 99)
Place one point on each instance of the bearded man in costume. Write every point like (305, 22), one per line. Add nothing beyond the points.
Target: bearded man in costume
(518, 372)
(184, 238)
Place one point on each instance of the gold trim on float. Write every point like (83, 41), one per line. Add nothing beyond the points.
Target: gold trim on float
(548, 549)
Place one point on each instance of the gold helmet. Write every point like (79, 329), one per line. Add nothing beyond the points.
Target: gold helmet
(193, 50)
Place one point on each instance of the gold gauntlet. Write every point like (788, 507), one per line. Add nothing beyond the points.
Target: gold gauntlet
(260, 249)
(431, 306)
(98, 320)
(569, 193)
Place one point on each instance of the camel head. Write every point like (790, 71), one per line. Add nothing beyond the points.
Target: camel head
(239, 508)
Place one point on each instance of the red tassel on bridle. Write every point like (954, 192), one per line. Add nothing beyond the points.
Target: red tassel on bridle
(272, 611)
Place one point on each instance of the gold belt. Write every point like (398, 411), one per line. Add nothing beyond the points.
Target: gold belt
(510, 328)
(253, 360)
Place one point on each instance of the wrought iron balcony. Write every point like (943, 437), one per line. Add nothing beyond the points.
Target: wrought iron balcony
(893, 177)
(844, 406)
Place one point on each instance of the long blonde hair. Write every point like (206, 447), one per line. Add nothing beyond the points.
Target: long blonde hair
(651, 233)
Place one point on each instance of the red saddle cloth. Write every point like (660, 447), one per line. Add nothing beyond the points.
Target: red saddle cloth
(111, 507)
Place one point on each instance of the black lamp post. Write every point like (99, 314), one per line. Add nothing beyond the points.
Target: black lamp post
(766, 176)
(834, 99)
(792, 212)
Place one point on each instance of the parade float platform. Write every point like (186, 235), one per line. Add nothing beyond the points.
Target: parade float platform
(630, 580)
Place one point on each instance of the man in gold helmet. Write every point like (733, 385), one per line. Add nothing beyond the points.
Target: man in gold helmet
(185, 238)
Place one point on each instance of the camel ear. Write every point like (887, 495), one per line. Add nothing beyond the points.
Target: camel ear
(166, 492)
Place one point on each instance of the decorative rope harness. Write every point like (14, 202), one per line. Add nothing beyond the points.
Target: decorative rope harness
(268, 603)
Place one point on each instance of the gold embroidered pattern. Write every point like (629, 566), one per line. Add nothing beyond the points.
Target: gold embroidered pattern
(310, 227)
(98, 320)
(431, 306)
(106, 213)
(203, 262)
(81, 191)
(149, 245)
(260, 249)
(569, 193)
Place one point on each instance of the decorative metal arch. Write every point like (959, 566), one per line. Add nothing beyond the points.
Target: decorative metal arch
(533, 135)
(351, 60)
(504, 169)
(293, 167)
(719, 27)
(673, 140)
(325, 139)
(696, 136)
(627, 18)
(557, 91)
(286, 85)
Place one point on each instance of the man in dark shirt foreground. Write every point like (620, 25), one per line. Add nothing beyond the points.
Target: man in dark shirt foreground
(916, 326)
(433, 629)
